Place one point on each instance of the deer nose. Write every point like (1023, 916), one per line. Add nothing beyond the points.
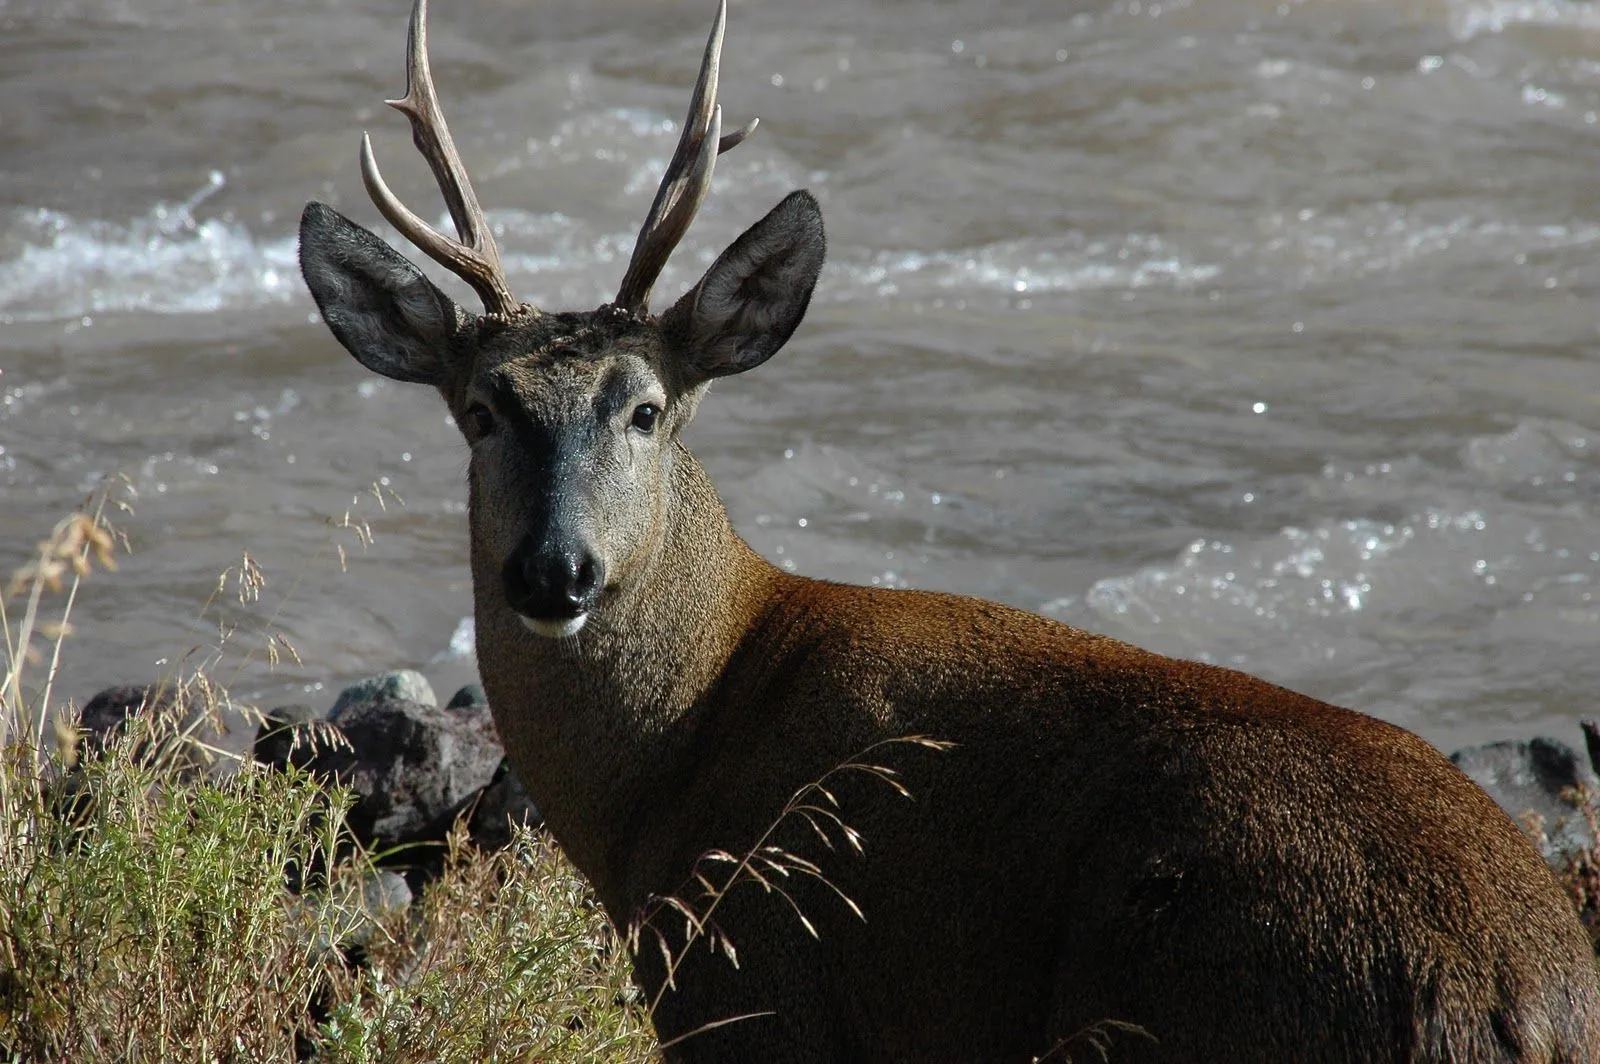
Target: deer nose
(554, 583)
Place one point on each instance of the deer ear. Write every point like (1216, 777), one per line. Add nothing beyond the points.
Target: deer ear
(378, 305)
(752, 299)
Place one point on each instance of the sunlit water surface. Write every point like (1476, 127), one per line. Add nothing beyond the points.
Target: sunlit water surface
(1257, 333)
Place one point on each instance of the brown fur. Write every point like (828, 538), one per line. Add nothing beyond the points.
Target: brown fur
(1243, 872)
(1116, 838)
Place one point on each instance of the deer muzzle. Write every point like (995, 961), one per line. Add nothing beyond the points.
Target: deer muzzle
(553, 585)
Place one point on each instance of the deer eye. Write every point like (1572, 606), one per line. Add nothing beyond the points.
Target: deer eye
(477, 421)
(644, 417)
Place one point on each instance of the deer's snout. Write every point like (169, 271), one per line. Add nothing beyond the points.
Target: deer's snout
(553, 586)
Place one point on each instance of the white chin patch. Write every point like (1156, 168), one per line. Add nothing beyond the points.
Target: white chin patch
(554, 629)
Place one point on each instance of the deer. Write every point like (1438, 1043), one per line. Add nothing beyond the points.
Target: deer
(1105, 850)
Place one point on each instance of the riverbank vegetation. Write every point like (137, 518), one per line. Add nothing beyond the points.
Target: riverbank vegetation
(164, 900)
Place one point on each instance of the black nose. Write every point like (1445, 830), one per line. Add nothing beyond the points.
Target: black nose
(553, 584)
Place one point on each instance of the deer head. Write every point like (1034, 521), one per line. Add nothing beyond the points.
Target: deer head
(573, 419)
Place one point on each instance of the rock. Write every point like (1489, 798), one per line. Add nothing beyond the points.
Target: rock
(402, 685)
(470, 695)
(1530, 777)
(166, 732)
(348, 915)
(489, 813)
(500, 805)
(414, 767)
(1591, 740)
(384, 893)
(107, 713)
(408, 763)
(281, 737)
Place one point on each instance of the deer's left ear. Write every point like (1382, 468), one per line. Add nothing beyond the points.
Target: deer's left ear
(752, 298)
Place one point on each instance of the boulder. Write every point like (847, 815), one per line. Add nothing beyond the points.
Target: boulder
(470, 695)
(283, 736)
(502, 804)
(106, 716)
(401, 685)
(107, 713)
(408, 764)
(346, 916)
(1535, 776)
(415, 768)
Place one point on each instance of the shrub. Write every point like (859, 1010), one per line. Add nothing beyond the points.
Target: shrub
(146, 909)
(508, 958)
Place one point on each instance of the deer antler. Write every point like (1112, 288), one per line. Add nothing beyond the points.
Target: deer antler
(474, 258)
(687, 180)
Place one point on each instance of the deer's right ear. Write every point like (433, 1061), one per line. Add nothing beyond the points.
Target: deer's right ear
(378, 305)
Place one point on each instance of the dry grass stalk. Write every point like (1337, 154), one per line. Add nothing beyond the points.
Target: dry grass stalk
(61, 562)
(766, 865)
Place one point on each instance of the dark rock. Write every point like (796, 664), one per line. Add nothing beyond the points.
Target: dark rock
(489, 814)
(502, 804)
(470, 695)
(1591, 740)
(1535, 777)
(107, 714)
(284, 734)
(401, 685)
(408, 764)
(166, 727)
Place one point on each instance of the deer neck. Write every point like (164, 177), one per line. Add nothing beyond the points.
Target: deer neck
(595, 725)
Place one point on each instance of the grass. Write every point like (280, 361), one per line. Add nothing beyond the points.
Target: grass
(508, 958)
(147, 917)
(145, 904)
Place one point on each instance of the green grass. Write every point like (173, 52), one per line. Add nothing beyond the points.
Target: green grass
(509, 958)
(145, 915)
(145, 904)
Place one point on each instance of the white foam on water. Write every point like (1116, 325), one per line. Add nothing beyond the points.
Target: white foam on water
(173, 260)
(1348, 591)
(1538, 452)
(1023, 267)
(166, 261)
(1384, 237)
(463, 642)
(1469, 20)
(55, 267)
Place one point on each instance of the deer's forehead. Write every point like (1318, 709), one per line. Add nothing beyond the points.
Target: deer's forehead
(554, 380)
(564, 344)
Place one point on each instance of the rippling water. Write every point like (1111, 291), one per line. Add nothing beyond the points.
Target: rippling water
(1259, 333)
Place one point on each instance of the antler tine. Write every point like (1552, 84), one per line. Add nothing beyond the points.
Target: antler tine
(474, 258)
(695, 183)
(687, 180)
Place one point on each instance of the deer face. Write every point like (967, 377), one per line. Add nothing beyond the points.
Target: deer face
(569, 433)
(572, 418)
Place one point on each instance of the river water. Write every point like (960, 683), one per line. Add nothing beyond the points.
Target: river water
(1253, 332)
